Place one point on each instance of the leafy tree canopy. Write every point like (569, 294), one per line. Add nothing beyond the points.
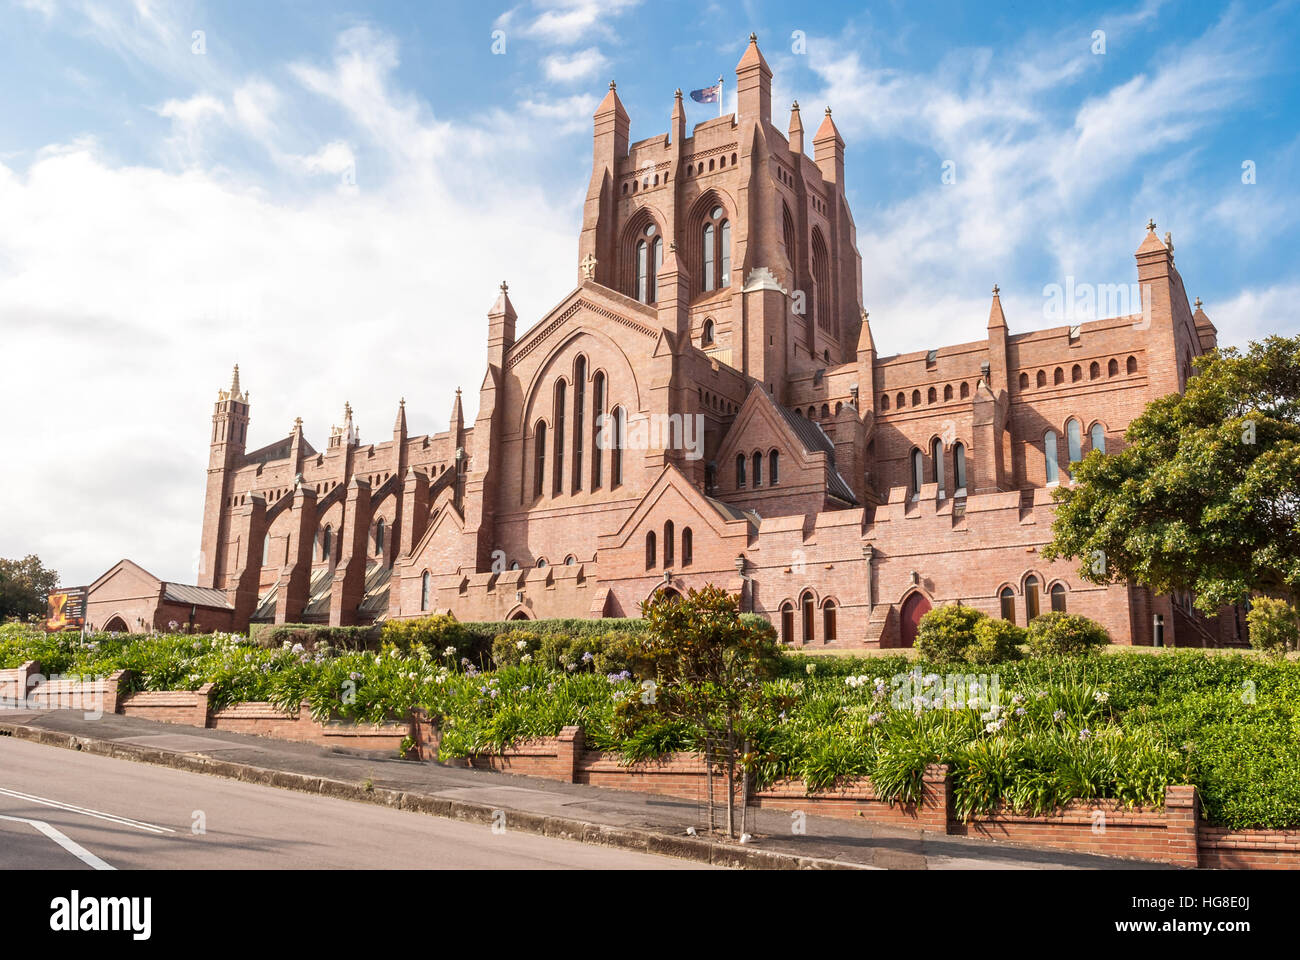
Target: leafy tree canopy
(1205, 494)
(23, 586)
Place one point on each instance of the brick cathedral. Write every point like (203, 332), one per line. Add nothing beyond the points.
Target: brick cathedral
(836, 491)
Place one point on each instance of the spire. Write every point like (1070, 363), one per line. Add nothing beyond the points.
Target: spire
(754, 85)
(235, 393)
(828, 150)
(828, 130)
(677, 122)
(611, 103)
(1151, 243)
(796, 129)
(996, 316)
(865, 342)
(457, 415)
(399, 427)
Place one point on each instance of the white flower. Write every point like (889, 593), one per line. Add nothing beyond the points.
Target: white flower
(449, 652)
(526, 658)
(521, 645)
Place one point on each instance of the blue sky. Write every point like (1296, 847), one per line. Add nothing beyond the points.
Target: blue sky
(312, 183)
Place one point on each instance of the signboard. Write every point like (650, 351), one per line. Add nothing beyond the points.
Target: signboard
(66, 609)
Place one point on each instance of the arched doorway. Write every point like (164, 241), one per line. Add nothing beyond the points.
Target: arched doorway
(914, 608)
(520, 615)
(116, 625)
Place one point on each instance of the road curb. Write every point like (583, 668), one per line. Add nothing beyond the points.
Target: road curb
(696, 849)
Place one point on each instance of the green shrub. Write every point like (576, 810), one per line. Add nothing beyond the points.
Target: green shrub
(1274, 626)
(314, 636)
(996, 641)
(1065, 634)
(945, 632)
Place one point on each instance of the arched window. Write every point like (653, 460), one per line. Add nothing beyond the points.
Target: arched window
(1112, 368)
(424, 590)
(1007, 598)
(599, 426)
(809, 617)
(379, 536)
(1024, 381)
(1074, 440)
(884, 401)
(650, 550)
(758, 469)
(642, 270)
(828, 621)
(1076, 373)
(947, 392)
(740, 471)
(821, 280)
(668, 543)
(959, 466)
(557, 482)
(616, 455)
(327, 544)
(1058, 598)
(965, 390)
(266, 550)
(1098, 437)
(787, 622)
(724, 250)
(826, 412)
(1058, 376)
(916, 398)
(1094, 370)
(1049, 456)
(902, 401)
(706, 338)
(709, 253)
(579, 418)
(1132, 365)
(1031, 598)
(787, 236)
(656, 264)
(773, 468)
(936, 454)
(688, 547)
(1042, 378)
(539, 457)
(930, 395)
(918, 472)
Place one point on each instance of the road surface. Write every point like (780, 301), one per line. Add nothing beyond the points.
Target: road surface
(60, 809)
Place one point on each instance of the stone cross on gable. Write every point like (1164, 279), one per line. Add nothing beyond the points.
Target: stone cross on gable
(589, 266)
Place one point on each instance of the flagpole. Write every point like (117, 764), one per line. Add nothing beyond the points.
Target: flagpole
(719, 94)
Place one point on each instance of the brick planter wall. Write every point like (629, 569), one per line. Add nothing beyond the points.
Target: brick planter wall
(1257, 849)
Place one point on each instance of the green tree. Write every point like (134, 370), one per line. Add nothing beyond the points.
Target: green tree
(23, 586)
(707, 665)
(1274, 626)
(1205, 494)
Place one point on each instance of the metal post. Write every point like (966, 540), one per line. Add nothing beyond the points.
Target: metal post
(1159, 630)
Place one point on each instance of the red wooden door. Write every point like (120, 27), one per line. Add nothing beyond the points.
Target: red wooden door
(914, 608)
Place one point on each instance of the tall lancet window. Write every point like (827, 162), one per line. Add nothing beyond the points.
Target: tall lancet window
(579, 418)
(708, 256)
(539, 457)
(724, 250)
(598, 425)
(557, 483)
(642, 270)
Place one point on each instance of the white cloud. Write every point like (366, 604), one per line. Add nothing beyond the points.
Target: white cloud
(565, 22)
(575, 66)
(128, 291)
(1256, 313)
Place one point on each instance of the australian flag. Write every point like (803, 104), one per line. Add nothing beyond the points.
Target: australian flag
(707, 95)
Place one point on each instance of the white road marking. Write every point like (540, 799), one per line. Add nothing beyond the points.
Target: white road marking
(85, 811)
(66, 842)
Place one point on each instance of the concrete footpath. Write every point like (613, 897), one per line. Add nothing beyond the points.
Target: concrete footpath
(596, 815)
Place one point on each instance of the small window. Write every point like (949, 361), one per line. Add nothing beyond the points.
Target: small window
(706, 338)
(1058, 376)
(668, 543)
(1024, 381)
(424, 590)
(1132, 365)
(1098, 437)
(916, 398)
(1008, 600)
(740, 471)
(809, 618)
(1112, 368)
(918, 472)
(1074, 440)
(787, 622)
(539, 457)
(901, 401)
(1058, 598)
(327, 543)
(1094, 370)
(828, 622)
(379, 536)
(884, 401)
(773, 468)
(1042, 378)
(758, 469)
(936, 455)
(688, 547)
(1031, 598)
(650, 550)
(959, 466)
(1076, 373)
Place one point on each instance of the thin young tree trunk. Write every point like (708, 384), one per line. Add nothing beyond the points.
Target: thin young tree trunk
(731, 782)
(744, 792)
